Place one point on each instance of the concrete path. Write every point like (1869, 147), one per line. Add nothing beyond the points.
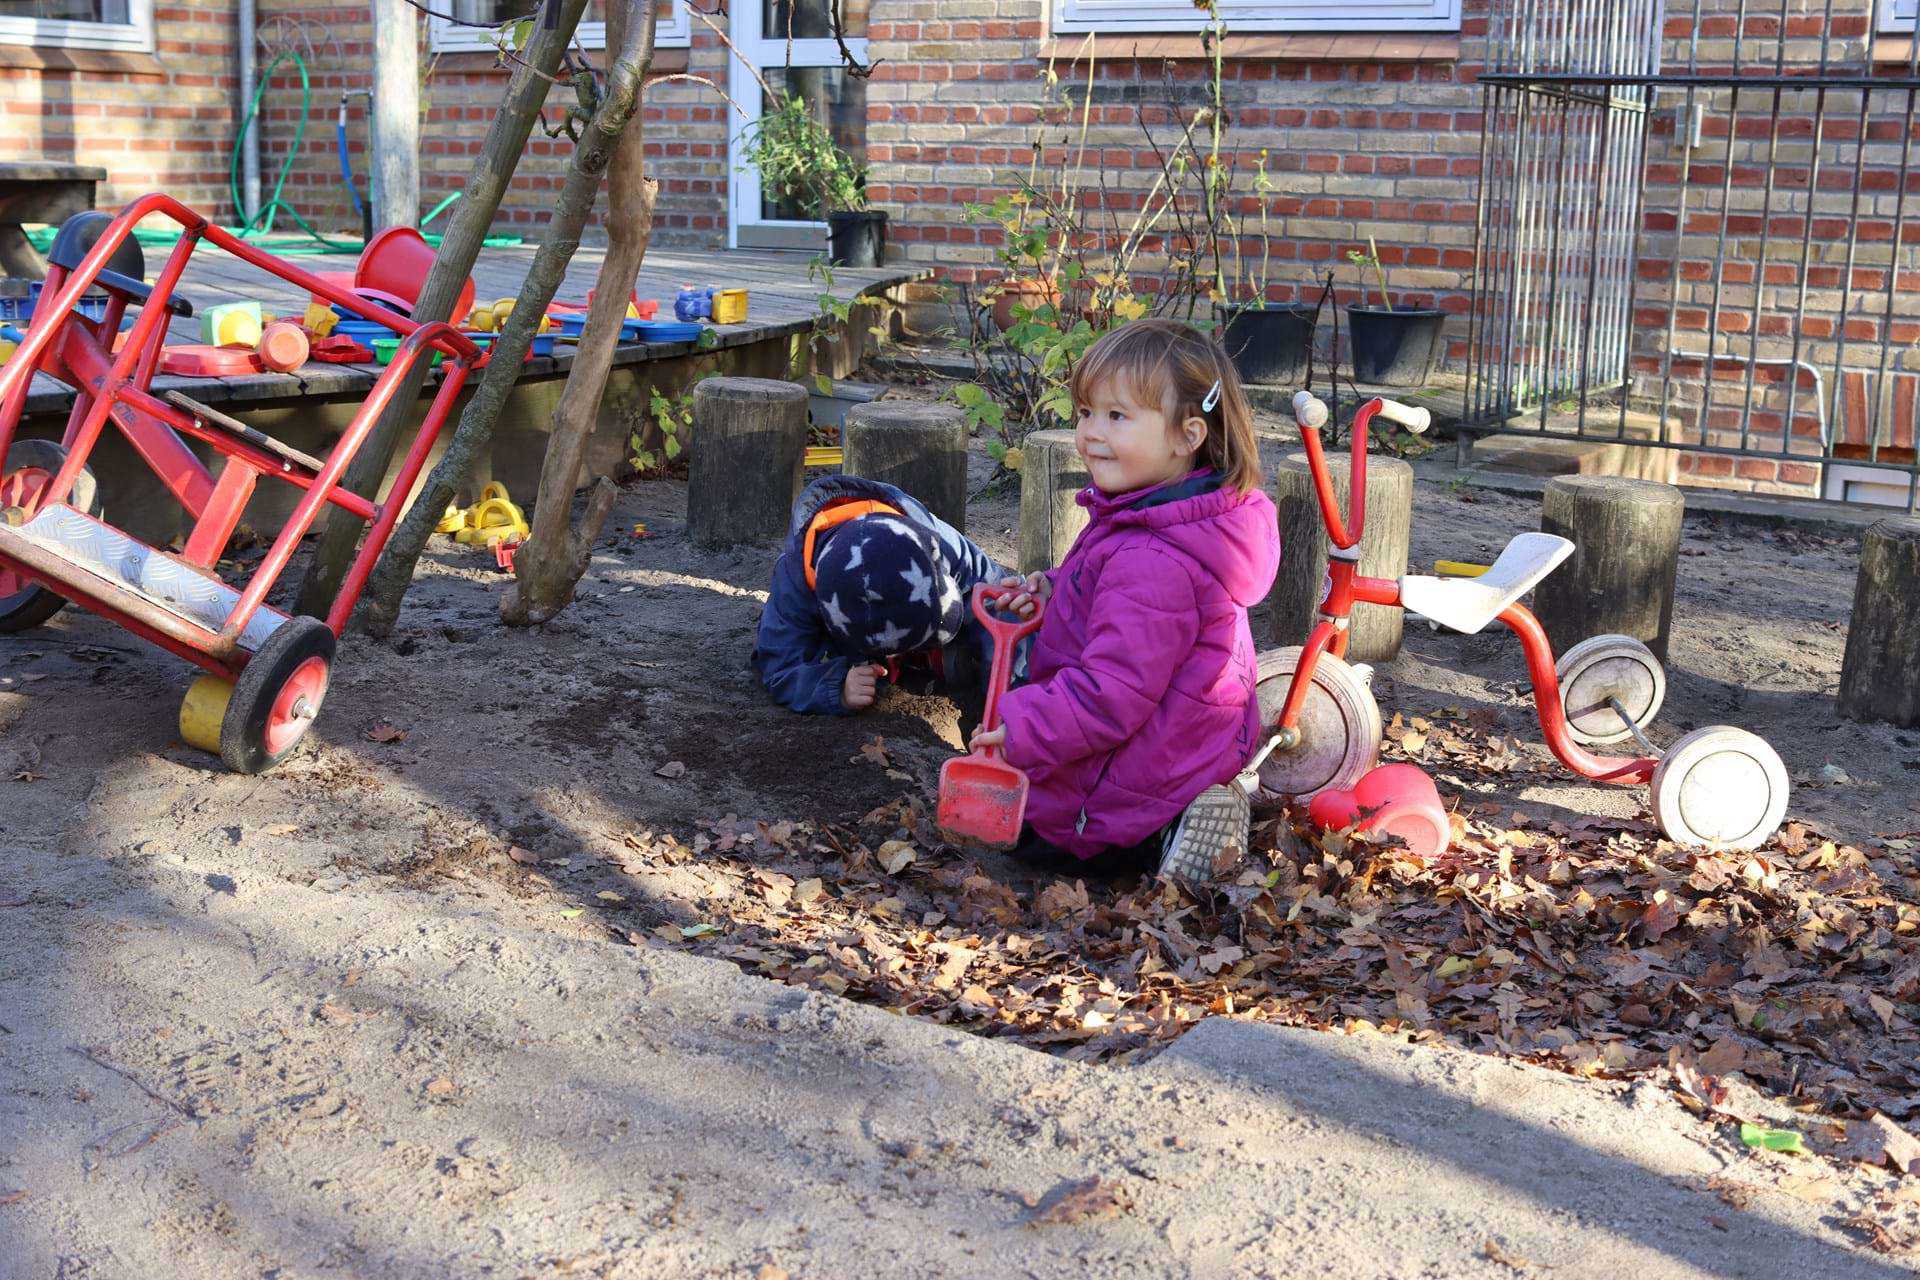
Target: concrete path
(209, 1071)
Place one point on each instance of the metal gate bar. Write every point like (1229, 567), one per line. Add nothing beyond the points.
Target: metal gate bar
(1566, 218)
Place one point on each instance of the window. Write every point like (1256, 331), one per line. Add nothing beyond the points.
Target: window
(1073, 17)
(78, 24)
(1898, 15)
(675, 29)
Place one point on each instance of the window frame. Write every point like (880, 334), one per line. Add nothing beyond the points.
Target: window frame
(133, 36)
(1892, 22)
(448, 37)
(1242, 17)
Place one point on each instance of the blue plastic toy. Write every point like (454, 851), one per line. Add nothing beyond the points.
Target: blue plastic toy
(693, 303)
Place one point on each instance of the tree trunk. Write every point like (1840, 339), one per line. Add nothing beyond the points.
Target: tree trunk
(1301, 583)
(915, 446)
(556, 555)
(743, 468)
(472, 217)
(474, 433)
(394, 185)
(1619, 579)
(1051, 474)
(1880, 677)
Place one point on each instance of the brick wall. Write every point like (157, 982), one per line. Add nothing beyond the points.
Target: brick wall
(460, 93)
(1365, 136)
(151, 121)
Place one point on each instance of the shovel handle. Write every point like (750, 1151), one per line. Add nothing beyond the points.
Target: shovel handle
(1006, 634)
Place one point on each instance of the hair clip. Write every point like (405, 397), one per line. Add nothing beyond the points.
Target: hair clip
(1213, 397)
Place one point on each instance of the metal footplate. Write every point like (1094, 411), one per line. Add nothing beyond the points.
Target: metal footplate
(97, 561)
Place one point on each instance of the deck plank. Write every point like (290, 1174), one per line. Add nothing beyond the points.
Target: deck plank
(782, 300)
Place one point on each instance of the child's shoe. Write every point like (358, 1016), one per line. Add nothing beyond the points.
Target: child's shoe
(1210, 839)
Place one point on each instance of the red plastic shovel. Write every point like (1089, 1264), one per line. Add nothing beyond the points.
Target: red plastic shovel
(982, 797)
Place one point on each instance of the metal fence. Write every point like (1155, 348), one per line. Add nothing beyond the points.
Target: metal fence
(1699, 229)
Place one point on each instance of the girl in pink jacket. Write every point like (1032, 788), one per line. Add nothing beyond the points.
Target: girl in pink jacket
(1140, 691)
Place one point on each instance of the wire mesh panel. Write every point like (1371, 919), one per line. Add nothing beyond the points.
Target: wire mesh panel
(1706, 238)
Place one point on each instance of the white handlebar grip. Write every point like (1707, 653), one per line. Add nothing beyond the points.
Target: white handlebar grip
(1309, 410)
(1414, 419)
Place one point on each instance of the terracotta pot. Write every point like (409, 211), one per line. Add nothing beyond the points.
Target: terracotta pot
(1030, 292)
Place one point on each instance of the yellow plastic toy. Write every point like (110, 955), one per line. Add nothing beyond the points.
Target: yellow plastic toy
(482, 320)
(320, 319)
(1458, 569)
(231, 324)
(729, 306)
(495, 518)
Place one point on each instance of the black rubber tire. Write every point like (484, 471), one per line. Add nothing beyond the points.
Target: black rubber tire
(25, 610)
(243, 730)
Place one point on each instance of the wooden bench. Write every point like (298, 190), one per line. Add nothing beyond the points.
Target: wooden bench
(36, 191)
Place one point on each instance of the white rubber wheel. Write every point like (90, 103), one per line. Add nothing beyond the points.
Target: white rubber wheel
(1720, 787)
(1339, 729)
(1603, 667)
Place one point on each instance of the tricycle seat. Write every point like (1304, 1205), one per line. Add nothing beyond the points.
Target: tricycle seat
(1467, 605)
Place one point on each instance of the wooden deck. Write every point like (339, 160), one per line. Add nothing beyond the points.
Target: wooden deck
(782, 301)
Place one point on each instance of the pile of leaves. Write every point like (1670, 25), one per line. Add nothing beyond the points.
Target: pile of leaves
(1592, 946)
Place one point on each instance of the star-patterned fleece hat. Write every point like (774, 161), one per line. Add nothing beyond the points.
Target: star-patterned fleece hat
(885, 588)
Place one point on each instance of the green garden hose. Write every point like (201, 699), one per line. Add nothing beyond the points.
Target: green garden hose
(261, 223)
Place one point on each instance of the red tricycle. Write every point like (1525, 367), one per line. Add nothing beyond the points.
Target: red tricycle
(1717, 786)
(267, 671)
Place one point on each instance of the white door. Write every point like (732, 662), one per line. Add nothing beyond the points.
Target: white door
(790, 43)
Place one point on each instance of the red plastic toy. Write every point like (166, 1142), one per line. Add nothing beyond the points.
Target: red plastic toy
(982, 797)
(1718, 786)
(267, 671)
(1394, 799)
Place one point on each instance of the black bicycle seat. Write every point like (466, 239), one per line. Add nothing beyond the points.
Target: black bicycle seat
(125, 266)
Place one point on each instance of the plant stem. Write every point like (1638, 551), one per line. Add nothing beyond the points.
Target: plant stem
(1373, 254)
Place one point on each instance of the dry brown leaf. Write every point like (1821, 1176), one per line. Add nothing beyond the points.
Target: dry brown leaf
(439, 1087)
(768, 1271)
(895, 856)
(384, 732)
(807, 890)
(1724, 1057)
(527, 856)
(1083, 1200)
(1878, 1140)
(1495, 1253)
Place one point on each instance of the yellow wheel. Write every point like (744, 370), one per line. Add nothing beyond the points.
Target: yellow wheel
(202, 712)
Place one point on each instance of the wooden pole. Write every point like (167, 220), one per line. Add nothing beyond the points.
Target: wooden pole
(1051, 473)
(744, 462)
(1880, 675)
(917, 446)
(1619, 579)
(395, 180)
(1301, 582)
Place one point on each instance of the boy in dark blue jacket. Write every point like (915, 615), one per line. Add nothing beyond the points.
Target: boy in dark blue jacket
(869, 574)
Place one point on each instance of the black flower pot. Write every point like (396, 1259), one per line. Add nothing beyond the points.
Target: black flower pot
(1394, 348)
(1272, 343)
(857, 239)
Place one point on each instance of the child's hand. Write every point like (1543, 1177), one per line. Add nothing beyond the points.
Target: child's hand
(1035, 589)
(994, 737)
(862, 686)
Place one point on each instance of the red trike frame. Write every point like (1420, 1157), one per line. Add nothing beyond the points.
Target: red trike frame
(1348, 587)
(80, 352)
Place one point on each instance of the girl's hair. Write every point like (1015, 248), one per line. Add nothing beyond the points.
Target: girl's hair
(1173, 365)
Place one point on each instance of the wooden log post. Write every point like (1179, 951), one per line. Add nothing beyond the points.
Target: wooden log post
(743, 463)
(1880, 675)
(913, 445)
(1619, 579)
(1051, 473)
(394, 184)
(1294, 603)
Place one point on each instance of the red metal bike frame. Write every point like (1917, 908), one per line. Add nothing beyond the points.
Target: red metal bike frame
(1346, 587)
(115, 385)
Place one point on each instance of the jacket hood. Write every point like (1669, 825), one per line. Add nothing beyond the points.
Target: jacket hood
(1233, 536)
